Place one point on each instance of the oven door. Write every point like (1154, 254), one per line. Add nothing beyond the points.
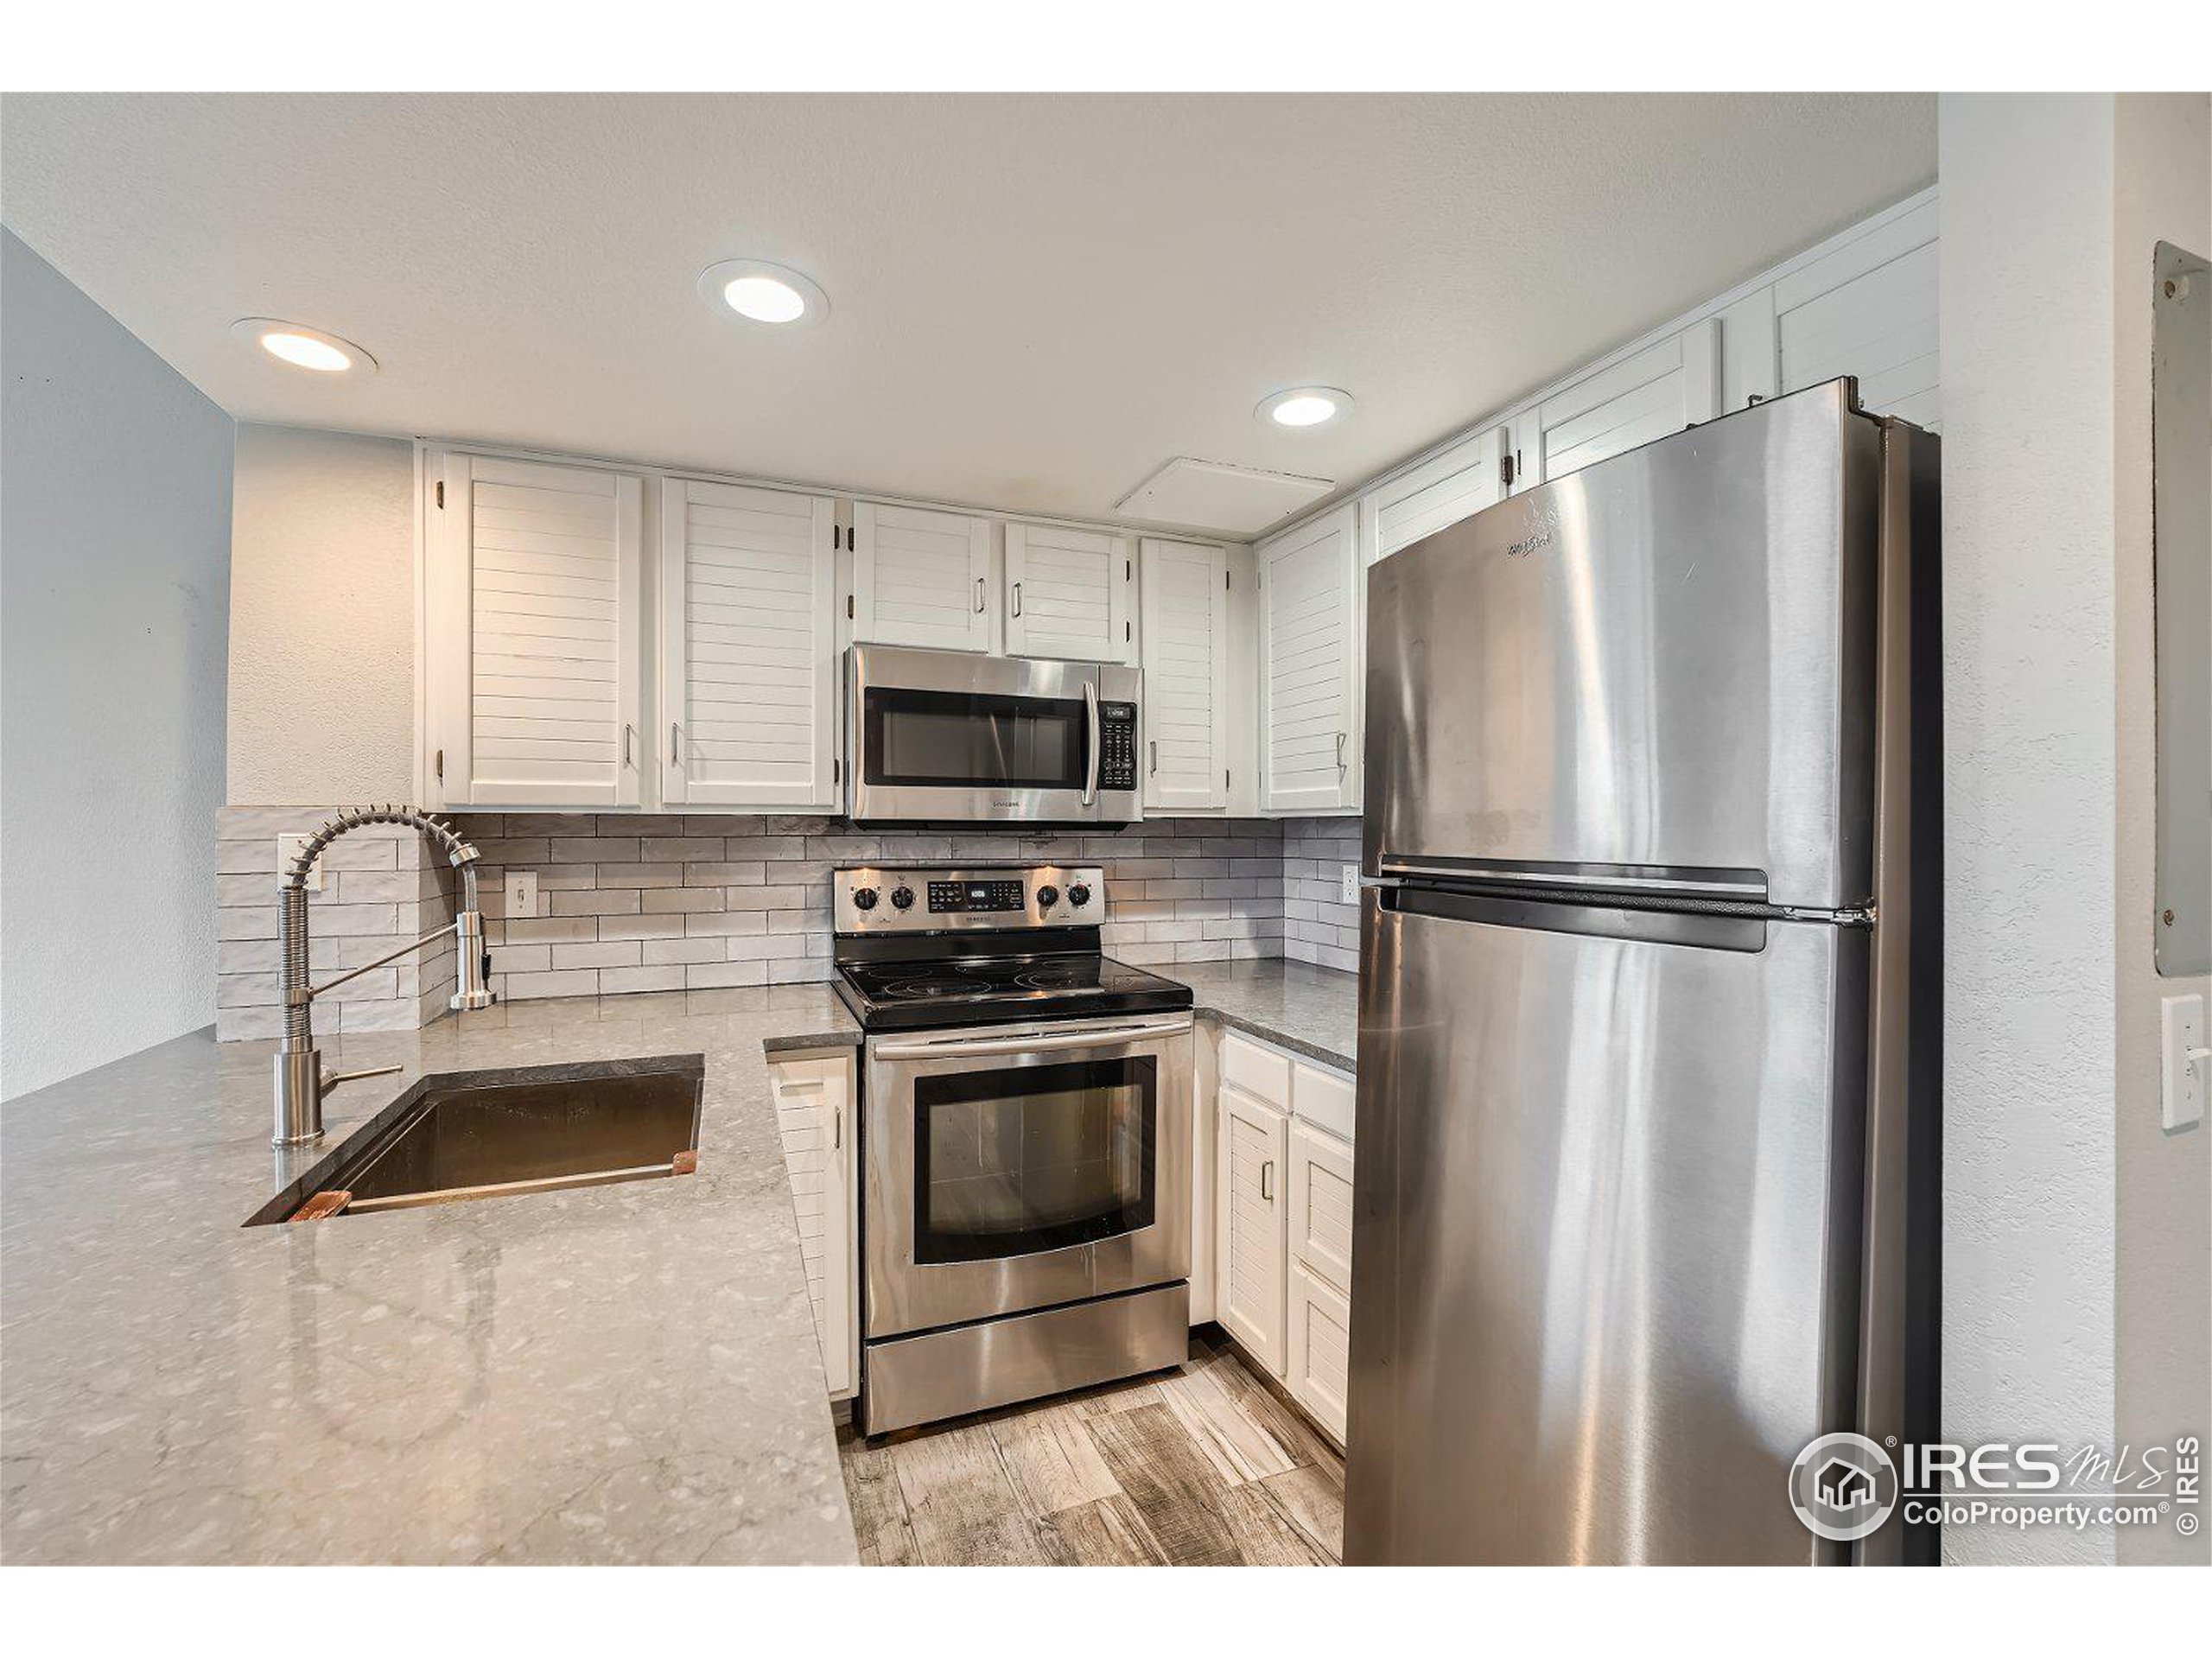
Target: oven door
(1024, 1167)
(947, 736)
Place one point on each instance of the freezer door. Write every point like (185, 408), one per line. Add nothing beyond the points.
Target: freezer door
(1663, 661)
(1606, 1233)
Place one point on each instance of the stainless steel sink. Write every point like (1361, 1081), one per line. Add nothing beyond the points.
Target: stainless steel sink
(482, 1135)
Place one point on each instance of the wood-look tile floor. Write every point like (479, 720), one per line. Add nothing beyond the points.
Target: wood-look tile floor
(1197, 1467)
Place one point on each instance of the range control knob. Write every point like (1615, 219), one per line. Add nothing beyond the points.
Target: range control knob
(1078, 894)
(903, 897)
(1048, 897)
(863, 898)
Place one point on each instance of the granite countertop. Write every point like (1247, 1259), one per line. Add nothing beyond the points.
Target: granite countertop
(612, 1374)
(1309, 1010)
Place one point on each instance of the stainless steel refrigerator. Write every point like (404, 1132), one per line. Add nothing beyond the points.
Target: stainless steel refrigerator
(1647, 1145)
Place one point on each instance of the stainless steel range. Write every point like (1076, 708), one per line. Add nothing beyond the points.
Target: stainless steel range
(1026, 1149)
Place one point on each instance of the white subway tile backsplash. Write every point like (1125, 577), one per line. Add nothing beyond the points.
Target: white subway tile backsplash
(669, 902)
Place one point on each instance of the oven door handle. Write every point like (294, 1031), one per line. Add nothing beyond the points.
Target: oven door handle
(955, 1048)
(1091, 725)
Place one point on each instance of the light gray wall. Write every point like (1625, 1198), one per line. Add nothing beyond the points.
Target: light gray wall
(322, 619)
(2029, 779)
(115, 510)
(2163, 179)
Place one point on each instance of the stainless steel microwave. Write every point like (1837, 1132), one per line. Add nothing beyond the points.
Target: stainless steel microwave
(950, 737)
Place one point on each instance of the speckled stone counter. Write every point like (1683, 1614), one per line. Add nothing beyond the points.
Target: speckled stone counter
(615, 1374)
(1311, 1011)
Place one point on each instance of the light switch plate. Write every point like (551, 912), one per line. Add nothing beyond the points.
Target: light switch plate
(2181, 1083)
(521, 891)
(1348, 887)
(288, 849)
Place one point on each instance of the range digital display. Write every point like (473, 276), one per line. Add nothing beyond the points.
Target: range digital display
(969, 897)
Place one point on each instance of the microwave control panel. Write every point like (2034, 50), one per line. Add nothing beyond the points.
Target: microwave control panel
(1117, 746)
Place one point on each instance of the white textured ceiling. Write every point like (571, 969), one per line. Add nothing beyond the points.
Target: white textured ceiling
(1035, 301)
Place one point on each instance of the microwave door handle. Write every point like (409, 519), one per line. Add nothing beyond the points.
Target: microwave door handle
(1091, 725)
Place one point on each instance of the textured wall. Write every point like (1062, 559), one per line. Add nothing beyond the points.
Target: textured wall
(2163, 172)
(322, 618)
(2029, 779)
(115, 521)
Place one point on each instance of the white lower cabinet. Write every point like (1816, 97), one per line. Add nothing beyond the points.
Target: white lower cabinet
(814, 1099)
(1284, 1219)
(1253, 1212)
(1320, 1348)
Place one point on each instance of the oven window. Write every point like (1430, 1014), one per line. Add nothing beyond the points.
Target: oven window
(1032, 1158)
(959, 739)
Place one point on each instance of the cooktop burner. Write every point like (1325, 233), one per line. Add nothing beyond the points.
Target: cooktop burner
(977, 990)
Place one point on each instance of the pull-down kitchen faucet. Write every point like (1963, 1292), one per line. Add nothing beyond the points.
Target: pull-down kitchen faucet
(301, 1081)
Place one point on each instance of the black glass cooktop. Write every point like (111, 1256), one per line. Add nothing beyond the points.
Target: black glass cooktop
(978, 990)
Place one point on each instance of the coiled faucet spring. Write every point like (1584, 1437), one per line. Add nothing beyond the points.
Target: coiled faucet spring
(301, 1081)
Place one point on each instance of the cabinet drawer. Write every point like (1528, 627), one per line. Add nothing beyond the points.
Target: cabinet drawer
(1320, 1204)
(1320, 1349)
(1324, 1098)
(1261, 1072)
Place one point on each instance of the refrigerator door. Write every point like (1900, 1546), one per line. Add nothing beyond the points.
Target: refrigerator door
(1606, 1231)
(1660, 666)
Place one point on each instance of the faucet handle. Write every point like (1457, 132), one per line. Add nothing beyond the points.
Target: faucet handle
(332, 1079)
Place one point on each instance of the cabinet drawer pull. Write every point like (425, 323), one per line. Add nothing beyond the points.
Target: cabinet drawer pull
(1267, 1180)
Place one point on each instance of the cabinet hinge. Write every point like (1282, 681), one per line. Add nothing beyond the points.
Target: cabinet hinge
(1128, 569)
(1505, 471)
(837, 771)
(1224, 581)
(1125, 633)
(441, 495)
(848, 608)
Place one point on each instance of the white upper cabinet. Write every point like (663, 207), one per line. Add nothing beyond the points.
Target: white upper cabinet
(532, 625)
(921, 578)
(1067, 593)
(1185, 588)
(749, 647)
(1456, 485)
(1661, 390)
(1868, 308)
(1310, 652)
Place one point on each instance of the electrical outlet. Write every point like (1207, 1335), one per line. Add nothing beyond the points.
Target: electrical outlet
(521, 891)
(1350, 888)
(289, 848)
(2185, 1063)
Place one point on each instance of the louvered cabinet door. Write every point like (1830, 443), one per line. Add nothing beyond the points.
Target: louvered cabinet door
(921, 578)
(1455, 485)
(533, 620)
(1251, 1220)
(1310, 646)
(814, 1114)
(1659, 391)
(748, 646)
(1869, 309)
(1184, 597)
(1067, 593)
(1318, 1340)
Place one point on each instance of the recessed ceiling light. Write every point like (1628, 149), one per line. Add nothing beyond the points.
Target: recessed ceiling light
(304, 347)
(1303, 406)
(756, 291)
